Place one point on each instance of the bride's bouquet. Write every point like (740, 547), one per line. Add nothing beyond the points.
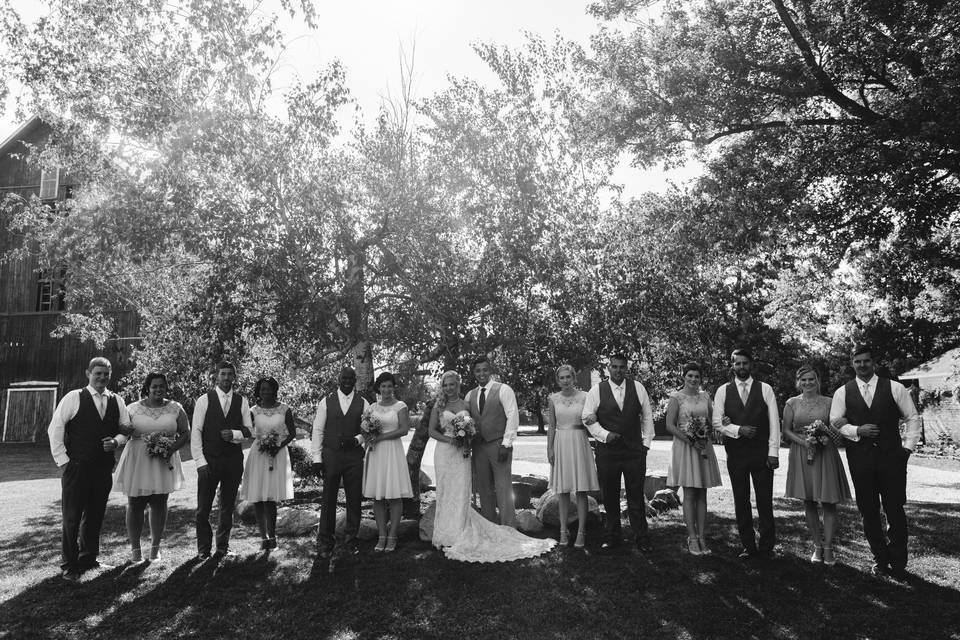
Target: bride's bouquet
(371, 426)
(269, 443)
(461, 430)
(698, 431)
(159, 445)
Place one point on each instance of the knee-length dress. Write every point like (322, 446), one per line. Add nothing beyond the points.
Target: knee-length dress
(138, 473)
(688, 467)
(385, 472)
(574, 468)
(260, 484)
(824, 480)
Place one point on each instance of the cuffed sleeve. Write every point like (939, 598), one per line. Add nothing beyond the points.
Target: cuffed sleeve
(508, 399)
(319, 424)
(63, 414)
(196, 432)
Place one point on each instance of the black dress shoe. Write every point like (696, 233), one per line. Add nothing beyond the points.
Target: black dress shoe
(324, 552)
(748, 554)
(352, 547)
(71, 575)
(643, 545)
(880, 571)
(899, 574)
(203, 555)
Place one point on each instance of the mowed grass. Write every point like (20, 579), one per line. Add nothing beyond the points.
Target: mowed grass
(416, 593)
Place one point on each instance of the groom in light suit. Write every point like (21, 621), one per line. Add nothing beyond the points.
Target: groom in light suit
(493, 406)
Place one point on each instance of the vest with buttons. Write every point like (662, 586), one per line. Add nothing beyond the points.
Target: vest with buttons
(339, 424)
(883, 412)
(754, 413)
(627, 422)
(492, 422)
(214, 422)
(84, 433)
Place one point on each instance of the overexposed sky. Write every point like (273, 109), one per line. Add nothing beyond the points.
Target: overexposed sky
(367, 38)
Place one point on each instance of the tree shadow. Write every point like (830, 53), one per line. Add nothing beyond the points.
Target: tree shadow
(415, 592)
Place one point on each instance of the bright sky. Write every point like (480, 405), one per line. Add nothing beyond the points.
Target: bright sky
(367, 37)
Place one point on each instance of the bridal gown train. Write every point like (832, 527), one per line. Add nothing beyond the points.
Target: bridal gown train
(462, 533)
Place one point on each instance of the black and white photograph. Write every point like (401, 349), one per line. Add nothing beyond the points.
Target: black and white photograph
(439, 319)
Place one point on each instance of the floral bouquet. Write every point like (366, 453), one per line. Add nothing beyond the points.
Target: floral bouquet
(269, 443)
(159, 445)
(698, 431)
(371, 426)
(462, 429)
(816, 436)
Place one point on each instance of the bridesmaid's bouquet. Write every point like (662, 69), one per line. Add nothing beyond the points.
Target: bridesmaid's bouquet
(159, 445)
(371, 426)
(698, 431)
(462, 429)
(816, 436)
(269, 443)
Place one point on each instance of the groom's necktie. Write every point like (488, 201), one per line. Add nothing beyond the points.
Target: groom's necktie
(743, 393)
(867, 396)
(483, 398)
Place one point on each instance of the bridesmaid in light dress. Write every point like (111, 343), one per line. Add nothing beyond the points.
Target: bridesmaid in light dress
(572, 467)
(386, 477)
(693, 464)
(824, 480)
(262, 485)
(148, 480)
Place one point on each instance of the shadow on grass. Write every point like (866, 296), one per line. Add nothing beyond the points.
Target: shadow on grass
(416, 593)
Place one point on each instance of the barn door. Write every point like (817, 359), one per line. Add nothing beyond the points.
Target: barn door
(28, 414)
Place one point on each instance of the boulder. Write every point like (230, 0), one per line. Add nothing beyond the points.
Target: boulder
(654, 482)
(538, 484)
(245, 512)
(426, 482)
(368, 527)
(548, 510)
(669, 496)
(306, 495)
(426, 522)
(527, 521)
(297, 522)
(521, 495)
(407, 529)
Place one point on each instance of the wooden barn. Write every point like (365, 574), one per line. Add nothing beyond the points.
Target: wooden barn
(35, 368)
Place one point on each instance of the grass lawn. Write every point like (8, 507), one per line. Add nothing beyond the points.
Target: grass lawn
(416, 593)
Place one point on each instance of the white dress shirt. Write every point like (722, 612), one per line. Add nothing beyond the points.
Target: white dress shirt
(733, 430)
(868, 389)
(508, 400)
(67, 410)
(592, 402)
(320, 422)
(200, 414)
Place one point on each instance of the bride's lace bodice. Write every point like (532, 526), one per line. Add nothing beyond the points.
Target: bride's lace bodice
(461, 532)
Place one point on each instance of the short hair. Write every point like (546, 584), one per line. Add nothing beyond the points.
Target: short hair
(743, 353)
(99, 361)
(566, 367)
(386, 376)
(691, 366)
(262, 381)
(618, 356)
(153, 375)
(480, 360)
(348, 370)
(225, 364)
(861, 348)
(804, 370)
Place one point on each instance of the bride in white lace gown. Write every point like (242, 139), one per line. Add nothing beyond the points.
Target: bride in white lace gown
(458, 530)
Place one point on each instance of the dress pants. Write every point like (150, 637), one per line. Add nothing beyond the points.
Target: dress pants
(85, 489)
(225, 471)
(494, 482)
(881, 475)
(745, 465)
(612, 462)
(340, 465)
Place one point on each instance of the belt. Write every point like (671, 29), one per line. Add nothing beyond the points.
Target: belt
(575, 427)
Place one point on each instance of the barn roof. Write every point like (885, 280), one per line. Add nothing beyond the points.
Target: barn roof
(943, 366)
(19, 134)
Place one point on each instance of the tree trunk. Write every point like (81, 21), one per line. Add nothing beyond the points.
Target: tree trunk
(421, 435)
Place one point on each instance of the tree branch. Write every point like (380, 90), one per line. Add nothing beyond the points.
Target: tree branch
(777, 124)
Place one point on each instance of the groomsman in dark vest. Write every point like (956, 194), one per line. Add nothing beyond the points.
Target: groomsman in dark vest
(868, 411)
(84, 433)
(338, 456)
(221, 421)
(617, 413)
(745, 412)
(493, 406)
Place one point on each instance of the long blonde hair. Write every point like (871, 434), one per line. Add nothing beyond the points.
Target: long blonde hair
(442, 399)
